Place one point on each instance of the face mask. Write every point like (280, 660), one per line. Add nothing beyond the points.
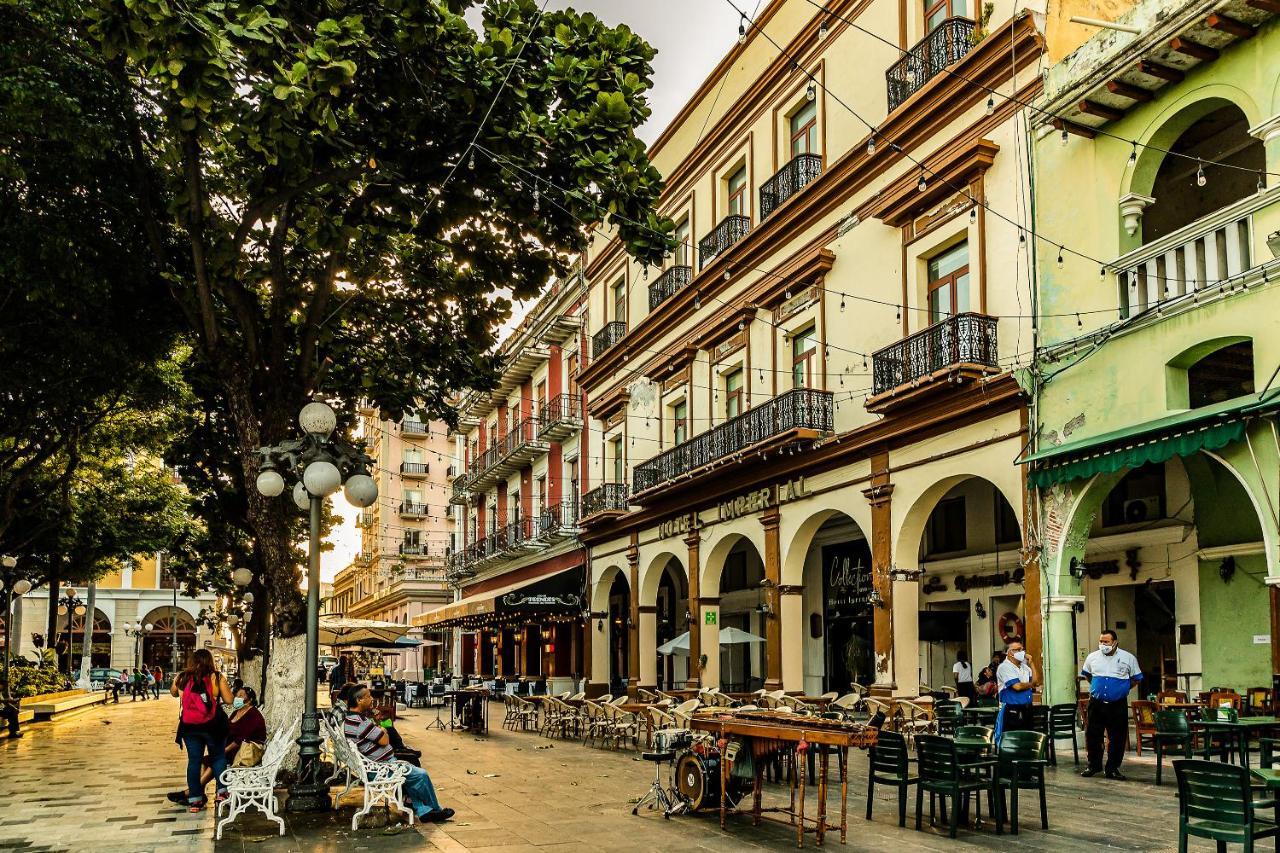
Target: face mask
(237, 703)
(1106, 649)
(1020, 656)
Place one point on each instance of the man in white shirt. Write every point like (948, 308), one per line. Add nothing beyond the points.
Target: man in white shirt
(1017, 682)
(1112, 673)
(962, 672)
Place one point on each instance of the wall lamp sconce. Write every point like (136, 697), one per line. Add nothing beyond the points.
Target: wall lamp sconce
(1077, 569)
(688, 617)
(980, 610)
(875, 599)
(1227, 570)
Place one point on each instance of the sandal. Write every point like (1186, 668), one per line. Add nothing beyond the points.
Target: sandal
(197, 807)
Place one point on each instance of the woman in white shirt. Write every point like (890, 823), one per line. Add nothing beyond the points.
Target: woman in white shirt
(962, 672)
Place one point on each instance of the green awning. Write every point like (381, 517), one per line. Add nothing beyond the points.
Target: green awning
(1181, 434)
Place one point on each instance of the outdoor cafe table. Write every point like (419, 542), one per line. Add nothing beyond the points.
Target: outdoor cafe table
(1239, 730)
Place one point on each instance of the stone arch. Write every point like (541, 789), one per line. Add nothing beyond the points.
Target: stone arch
(713, 564)
(651, 575)
(604, 583)
(795, 549)
(1263, 508)
(906, 545)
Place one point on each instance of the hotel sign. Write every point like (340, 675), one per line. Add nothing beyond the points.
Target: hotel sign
(759, 499)
(679, 525)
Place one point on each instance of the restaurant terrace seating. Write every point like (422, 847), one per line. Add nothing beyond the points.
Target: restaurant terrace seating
(1216, 801)
(1144, 723)
(1021, 762)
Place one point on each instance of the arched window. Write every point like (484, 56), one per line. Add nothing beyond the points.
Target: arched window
(1221, 375)
(1192, 186)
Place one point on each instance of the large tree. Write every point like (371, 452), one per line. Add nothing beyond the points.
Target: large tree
(341, 234)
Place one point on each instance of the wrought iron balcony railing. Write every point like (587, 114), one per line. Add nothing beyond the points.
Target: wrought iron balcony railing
(947, 43)
(459, 493)
(607, 337)
(413, 428)
(411, 508)
(365, 520)
(961, 339)
(802, 408)
(561, 415)
(415, 469)
(412, 549)
(609, 497)
(668, 285)
(730, 230)
(790, 179)
(558, 521)
(451, 472)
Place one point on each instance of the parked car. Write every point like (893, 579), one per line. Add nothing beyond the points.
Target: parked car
(100, 677)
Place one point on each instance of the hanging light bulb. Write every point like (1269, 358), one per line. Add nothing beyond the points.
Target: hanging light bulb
(871, 146)
(1066, 137)
(973, 214)
(697, 301)
(811, 92)
(1133, 154)
(471, 160)
(1022, 236)
(991, 104)
(897, 313)
(537, 198)
(1201, 180)
(1262, 185)
(728, 273)
(922, 185)
(822, 30)
(1079, 322)
(864, 361)
(842, 303)
(742, 30)
(1102, 271)
(1060, 250)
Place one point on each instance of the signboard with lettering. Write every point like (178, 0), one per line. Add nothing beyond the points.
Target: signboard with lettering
(846, 578)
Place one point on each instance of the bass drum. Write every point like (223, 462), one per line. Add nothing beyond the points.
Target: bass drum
(698, 781)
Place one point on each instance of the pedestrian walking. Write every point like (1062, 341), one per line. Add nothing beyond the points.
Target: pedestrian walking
(157, 676)
(138, 685)
(1112, 673)
(1017, 688)
(116, 683)
(962, 672)
(245, 725)
(202, 725)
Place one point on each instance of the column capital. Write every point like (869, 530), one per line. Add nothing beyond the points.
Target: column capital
(791, 589)
(1268, 131)
(1062, 603)
(878, 495)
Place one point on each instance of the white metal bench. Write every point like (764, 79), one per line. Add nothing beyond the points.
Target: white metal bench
(383, 781)
(255, 787)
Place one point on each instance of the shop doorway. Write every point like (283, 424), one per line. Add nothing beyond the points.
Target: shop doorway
(1143, 617)
(850, 637)
(944, 631)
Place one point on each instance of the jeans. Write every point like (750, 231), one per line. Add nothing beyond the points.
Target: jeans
(420, 792)
(197, 743)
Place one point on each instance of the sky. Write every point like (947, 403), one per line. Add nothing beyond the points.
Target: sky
(691, 36)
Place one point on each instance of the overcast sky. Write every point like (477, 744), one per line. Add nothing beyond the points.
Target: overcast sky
(691, 36)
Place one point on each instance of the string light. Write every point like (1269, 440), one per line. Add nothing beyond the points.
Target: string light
(973, 214)
(1066, 137)
(871, 146)
(811, 92)
(991, 104)
(842, 303)
(1061, 249)
(1201, 180)
(1261, 183)
(923, 184)
(822, 30)
(537, 198)
(1079, 322)
(471, 161)
(1133, 155)
(742, 30)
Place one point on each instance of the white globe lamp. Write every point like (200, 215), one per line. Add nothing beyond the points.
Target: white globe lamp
(247, 598)
(361, 490)
(270, 483)
(242, 577)
(300, 496)
(22, 587)
(322, 478)
(149, 626)
(317, 418)
(233, 619)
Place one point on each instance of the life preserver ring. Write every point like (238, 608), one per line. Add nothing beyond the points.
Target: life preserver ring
(1010, 627)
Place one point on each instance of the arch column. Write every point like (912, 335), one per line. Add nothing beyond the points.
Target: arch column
(1269, 133)
(772, 579)
(709, 627)
(694, 571)
(599, 629)
(791, 617)
(633, 629)
(648, 636)
(879, 496)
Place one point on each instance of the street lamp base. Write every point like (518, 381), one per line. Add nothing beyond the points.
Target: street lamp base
(309, 797)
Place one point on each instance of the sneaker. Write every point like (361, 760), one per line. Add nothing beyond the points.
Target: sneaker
(1089, 773)
(1116, 774)
(178, 798)
(197, 807)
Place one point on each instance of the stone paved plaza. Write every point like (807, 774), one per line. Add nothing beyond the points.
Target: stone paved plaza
(97, 782)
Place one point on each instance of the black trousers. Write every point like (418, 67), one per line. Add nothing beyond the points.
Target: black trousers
(1111, 718)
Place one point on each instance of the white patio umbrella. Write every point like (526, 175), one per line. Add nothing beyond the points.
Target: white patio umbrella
(678, 646)
(339, 631)
(737, 635)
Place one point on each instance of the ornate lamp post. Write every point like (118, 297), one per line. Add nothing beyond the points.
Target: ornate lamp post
(12, 588)
(72, 606)
(318, 464)
(137, 630)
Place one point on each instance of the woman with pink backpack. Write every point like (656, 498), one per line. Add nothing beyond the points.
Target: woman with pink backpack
(202, 726)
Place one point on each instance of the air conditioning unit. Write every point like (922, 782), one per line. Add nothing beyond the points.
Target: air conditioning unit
(1141, 509)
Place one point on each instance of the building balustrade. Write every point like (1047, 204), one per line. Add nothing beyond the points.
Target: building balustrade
(791, 178)
(962, 339)
(413, 428)
(730, 230)
(558, 521)
(415, 469)
(799, 409)
(411, 509)
(668, 285)
(412, 549)
(459, 493)
(607, 337)
(945, 44)
(560, 417)
(608, 497)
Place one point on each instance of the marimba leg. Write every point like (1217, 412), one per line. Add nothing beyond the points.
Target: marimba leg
(822, 796)
(843, 760)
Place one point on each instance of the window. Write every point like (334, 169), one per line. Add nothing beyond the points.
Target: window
(803, 346)
(412, 455)
(937, 11)
(540, 494)
(572, 369)
(571, 471)
(412, 538)
(804, 129)
(733, 393)
(680, 422)
(615, 453)
(493, 519)
(413, 497)
(1006, 520)
(1221, 375)
(620, 300)
(738, 192)
(682, 243)
(539, 399)
(946, 526)
(949, 283)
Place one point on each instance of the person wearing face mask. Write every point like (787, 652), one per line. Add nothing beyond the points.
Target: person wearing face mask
(1112, 673)
(1017, 682)
(247, 724)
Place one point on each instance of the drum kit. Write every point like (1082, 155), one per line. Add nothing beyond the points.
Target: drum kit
(697, 772)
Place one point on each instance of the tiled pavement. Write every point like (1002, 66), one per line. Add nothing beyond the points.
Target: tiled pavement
(97, 782)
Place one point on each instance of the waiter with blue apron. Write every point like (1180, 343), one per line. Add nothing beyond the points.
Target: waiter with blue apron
(1112, 673)
(1017, 682)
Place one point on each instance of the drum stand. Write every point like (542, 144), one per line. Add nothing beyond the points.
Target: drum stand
(438, 723)
(663, 797)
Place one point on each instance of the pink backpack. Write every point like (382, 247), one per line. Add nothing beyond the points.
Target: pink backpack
(198, 702)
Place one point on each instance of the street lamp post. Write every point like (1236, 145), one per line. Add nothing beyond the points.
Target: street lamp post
(12, 587)
(137, 631)
(71, 605)
(319, 464)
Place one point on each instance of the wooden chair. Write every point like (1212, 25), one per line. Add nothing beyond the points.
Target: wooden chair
(1166, 696)
(1225, 698)
(1062, 726)
(942, 775)
(1215, 801)
(1257, 701)
(1021, 762)
(1173, 734)
(1144, 723)
(890, 765)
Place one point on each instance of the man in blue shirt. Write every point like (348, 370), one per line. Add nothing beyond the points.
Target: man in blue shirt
(1112, 673)
(1017, 682)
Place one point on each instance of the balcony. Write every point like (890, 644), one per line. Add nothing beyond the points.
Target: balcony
(558, 522)
(459, 493)
(517, 447)
(409, 509)
(947, 44)
(963, 345)
(730, 230)
(560, 418)
(413, 428)
(607, 337)
(609, 498)
(799, 414)
(365, 520)
(412, 549)
(414, 470)
(791, 178)
(668, 285)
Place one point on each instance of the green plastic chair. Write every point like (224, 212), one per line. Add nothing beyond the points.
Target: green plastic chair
(1021, 758)
(890, 765)
(985, 732)
(942, 775)
(1062, 726)
(1173, 732)
(1224, 740)
(1215, 801)
(948, 715)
